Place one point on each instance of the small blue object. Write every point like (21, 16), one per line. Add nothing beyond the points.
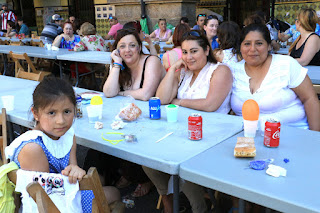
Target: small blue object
(122, 67)
(286, 160)
(258, 164)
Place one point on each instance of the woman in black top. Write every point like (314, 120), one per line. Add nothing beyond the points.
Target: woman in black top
(306, 48)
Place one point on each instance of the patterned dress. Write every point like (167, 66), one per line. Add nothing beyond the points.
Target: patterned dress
(53, 150)
(91, 43)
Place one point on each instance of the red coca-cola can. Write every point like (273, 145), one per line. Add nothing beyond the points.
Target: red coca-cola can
(195, 127)
(272, 132)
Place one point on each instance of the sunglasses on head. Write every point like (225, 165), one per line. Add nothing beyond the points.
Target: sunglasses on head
(202, 15)
(212, 17)
(192, 33)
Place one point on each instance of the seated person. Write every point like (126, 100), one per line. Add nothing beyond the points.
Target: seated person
(24, 29)
(67, 39)
(306, 48)
(170, 57)
(115, 26)
(11, 29)
(199, 84)
(91, 40)
(161, 34)
(278, 83)
(52, 29)
(48, 147)
(133, 73)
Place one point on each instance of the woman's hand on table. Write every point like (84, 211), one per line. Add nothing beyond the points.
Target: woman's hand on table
(74, 173)
(176, 101)
(115, 55)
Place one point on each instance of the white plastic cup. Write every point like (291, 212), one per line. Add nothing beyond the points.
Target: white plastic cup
(8, 102)
(262, 124)
(172, 113)
(94, 113)
(250, 128)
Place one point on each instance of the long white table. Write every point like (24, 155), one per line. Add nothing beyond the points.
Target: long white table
(24, 40)
(314, 74)
(39, 52)
(295, 193)
(165, 156)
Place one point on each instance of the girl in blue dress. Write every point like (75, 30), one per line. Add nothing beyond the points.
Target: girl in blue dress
(51, 145)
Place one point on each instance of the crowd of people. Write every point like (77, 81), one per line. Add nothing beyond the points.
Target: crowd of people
(213, 67)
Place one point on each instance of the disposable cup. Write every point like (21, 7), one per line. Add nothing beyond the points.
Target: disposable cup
(262, 123)
(172, 113)
(94, 113)
(250, 128)
(8, 102)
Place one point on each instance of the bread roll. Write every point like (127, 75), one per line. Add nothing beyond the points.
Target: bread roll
(245, 147)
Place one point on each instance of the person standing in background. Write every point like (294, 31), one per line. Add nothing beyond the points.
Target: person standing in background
(7, 15)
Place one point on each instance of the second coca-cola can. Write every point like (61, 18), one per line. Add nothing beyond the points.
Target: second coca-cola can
(195, 127)
(272, 132)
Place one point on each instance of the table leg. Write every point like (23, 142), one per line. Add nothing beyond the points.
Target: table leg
(5, 63)
(10, 131)
(77, 75)
(176, 193)
(60, 67)
(241, 206)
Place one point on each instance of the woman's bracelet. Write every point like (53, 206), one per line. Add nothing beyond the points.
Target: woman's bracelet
(122, 67)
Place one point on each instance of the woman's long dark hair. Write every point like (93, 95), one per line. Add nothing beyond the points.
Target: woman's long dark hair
(125, 75)
(195, 35)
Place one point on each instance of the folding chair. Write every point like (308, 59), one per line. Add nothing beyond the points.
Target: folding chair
(30, 76)
(16, 43)
(18, 67)
(3, 137)
(36, 43)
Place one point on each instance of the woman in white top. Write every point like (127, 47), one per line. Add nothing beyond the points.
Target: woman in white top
(278, 83)
(199, 83)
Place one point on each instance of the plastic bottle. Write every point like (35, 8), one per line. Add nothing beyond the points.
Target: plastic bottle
(161, 52)
(45, 42)
(79, 106)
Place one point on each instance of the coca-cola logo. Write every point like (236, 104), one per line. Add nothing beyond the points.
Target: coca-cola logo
(276, 135)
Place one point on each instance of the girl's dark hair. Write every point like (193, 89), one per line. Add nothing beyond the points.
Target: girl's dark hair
(125, 75)
(179, 31)
(228, 33)
(261, 28)
(11, 24)
(253, 19)
(195, 35)
(49, 90)
(134, 25)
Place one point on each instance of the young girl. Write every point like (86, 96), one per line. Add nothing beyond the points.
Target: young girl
(51, 146)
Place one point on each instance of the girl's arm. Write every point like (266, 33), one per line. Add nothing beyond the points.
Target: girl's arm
(168, 87)
(153, 34)
(310, 101)
(312, 46)
(220, 86)
(111, 87)
(32, 158)
(153, 74)
(73, 170)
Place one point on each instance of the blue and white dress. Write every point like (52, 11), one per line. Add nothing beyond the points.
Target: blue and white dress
(56, 151)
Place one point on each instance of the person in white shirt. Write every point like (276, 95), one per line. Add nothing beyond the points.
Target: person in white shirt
(278, 83)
